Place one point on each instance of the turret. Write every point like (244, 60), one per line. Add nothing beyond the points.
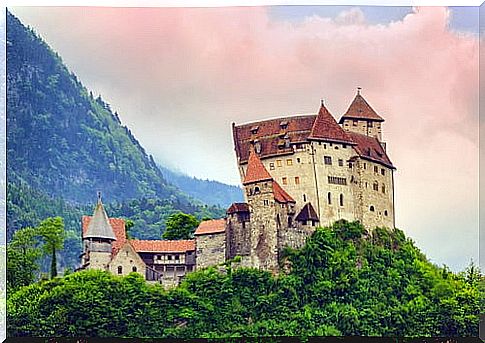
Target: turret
(361, 118)
(97, 239)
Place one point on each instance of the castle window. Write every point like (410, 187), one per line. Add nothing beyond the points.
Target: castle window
(169, 257)
(325, 146)
(341, 162)
(271, 166)
(159, 257)
(336, 147)
(256, 190)
(134, 269)
(341, 199)
(284, 180)
(284, 124)
(266, 202)
(350, 165)
(383, 171)
(327, 160)
(254, 129)
(329, 198)
(375, 186)
(279, 163)
(372, 209)
(376, 170)
(304, 198)
(369, 124)
(354, 122)
(344, 146)
(337, 180)
(298, 160)
(177, 257)
(384, 189)
(385, 213)
(297, 180)
(289, 162)
(120, 270)
(365, 165)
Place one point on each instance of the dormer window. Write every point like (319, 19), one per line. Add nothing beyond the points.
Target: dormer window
(284, 125)
(254, 129)
(257, 146)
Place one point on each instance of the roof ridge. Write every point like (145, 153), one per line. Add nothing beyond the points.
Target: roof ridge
(360, 109)
(325, 127)
(256, 171)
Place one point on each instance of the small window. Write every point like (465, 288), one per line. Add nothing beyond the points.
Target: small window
(189, 253)
(344, 146)
(297, 180)
(325, 146)
(370, 124)
(266, 202)
(354, 122)
(383, 171)
(284, 180)
(384, 189)
(289, 162)
(327, 160)
(376, 170)
(365, 165)
(372, 209)
(341, 199)
(169, 257)
(341, 162)
(271, 166)
(279, 163)
(256, 190)
(177, 257)
(298, 160)
(329, 198)
(159, 257)
(385, 213)
(304, 197)
(120, 270)
(375, 186)
(134, 269)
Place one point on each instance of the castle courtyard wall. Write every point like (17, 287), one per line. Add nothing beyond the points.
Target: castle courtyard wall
(210, 249)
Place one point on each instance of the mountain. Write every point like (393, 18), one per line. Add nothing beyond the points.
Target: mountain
(64, 145)
(208, 191)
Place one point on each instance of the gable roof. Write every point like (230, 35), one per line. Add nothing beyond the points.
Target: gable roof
(326, 128)
(99, 226)
(307, 213)
(280, 194)
(360, 109)
(211, 226)
(255, 171)
(238, 207)
(371, 149)
(163, 246)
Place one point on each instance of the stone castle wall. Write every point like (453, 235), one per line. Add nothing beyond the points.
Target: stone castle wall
(363, 127)
(128, 260)
(210, 249)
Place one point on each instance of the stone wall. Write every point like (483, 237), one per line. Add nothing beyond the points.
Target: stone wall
(238, 236)
(374, 129)
(210, 249)
(128, 260)
(97, 260)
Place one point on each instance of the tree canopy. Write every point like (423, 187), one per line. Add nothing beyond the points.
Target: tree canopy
(180, 226)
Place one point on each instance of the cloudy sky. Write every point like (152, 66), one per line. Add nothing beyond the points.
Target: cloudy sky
(180, 77)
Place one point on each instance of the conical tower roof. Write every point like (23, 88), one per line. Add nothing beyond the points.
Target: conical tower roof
(325, 127)
(360, 109)
(99, 226)
(255, 171)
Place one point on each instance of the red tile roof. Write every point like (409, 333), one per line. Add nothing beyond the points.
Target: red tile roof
(163, 245)
(326, 128)
(119, 230)
(360, 109)
(238, 207)
(211, 226)
(255, 171)
(280, 195)
(370, 148)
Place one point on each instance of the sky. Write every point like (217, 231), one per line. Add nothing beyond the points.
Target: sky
(179, 77)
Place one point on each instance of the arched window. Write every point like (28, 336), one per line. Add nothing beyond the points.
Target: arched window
(375, 186)
(120, 270)
(134, 269)
(341, 199)
(385, 213)
(256, 190)
(384, 189)
(372, 209)
(329, 198)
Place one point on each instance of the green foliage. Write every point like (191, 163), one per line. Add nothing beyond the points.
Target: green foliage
(180, 226)
(51, 230)
(340, 283)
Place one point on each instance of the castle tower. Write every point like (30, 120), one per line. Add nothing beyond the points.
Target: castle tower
(97, 239)
(361, 118)
(270, 207)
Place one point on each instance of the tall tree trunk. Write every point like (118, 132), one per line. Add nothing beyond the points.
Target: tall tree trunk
(53, 264)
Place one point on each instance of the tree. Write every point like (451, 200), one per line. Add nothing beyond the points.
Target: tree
(128, 225)
(180, 225)
(52, 232)
(23, 254)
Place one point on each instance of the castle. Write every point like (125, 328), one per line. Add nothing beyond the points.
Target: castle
(297, 172)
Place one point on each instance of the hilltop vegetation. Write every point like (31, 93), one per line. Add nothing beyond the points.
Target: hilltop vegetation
(342, 282)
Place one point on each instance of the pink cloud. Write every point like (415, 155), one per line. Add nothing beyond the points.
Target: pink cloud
(179, 77)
